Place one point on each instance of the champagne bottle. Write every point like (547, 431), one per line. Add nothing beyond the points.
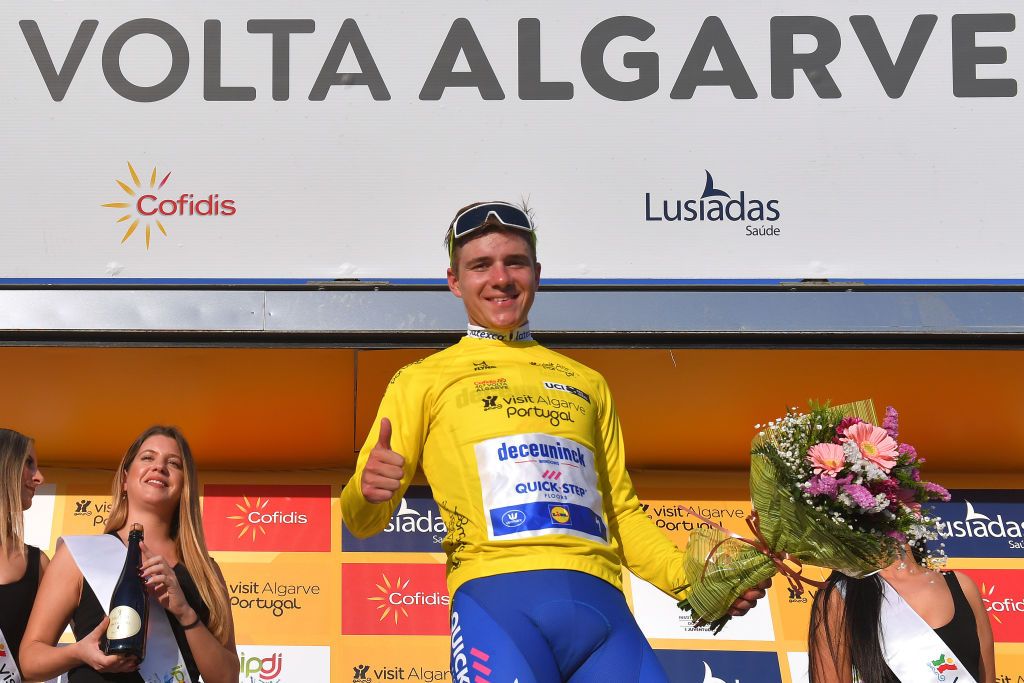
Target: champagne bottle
(129, 606)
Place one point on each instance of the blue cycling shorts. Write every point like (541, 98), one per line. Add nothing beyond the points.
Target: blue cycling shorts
(547, 626)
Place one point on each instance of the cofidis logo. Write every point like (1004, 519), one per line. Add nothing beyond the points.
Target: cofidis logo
(150, 205)
(1002, 592)
(758, 215)
(283, 664)
(720, 666)
(394, 599)
(415, 527)
(982, 523)
(269, 517)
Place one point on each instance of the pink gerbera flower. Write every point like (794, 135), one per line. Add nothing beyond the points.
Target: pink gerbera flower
(826, 458)
(874, 443)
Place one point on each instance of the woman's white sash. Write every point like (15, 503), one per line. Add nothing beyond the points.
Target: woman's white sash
(8, 671)
(912, 649)
(100, 558)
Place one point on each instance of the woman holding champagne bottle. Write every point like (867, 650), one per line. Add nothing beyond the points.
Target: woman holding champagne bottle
(154, 492)
(21, 565)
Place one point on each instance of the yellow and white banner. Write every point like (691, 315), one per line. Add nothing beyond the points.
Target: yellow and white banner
(334, 608)
(322, 140)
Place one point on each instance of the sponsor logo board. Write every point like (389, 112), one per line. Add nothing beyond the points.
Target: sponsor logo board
(284, 664)
(982, 523)
(267, 517)
(720, 666)
(416, 526)
(1009, 666)
(423, 659)
(660, 617)
(794, 611)
(394, 599)
(283, 601)
(1002, 591)
(86, 509)
(673, 518)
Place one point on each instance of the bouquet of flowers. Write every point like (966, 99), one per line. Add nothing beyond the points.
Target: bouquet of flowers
(829, 488)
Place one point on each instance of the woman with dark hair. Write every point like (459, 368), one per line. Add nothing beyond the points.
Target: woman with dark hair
(21, 565)
(155, 486)
(902, 622)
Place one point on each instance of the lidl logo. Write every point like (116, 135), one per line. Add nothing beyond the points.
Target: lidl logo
(415, 527)
(283, 664)
(268, 517)
(720, 666)
(559, 514)
(982, 523)
(1002, 592)
(148, 206)
(394, 599)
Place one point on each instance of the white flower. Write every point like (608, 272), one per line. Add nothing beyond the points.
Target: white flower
(852, 452)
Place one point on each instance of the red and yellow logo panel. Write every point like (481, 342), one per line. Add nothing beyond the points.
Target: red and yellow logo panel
(267, 517)
(1002, 591)
(394, 599)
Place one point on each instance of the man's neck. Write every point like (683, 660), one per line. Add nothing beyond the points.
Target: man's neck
(516, 334)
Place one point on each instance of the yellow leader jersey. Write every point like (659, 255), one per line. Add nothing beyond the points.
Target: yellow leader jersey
(523, 451)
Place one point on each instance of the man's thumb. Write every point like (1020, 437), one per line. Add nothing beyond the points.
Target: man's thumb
(384, 440)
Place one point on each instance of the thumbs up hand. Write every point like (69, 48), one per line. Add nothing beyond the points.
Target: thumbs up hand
(382, 475)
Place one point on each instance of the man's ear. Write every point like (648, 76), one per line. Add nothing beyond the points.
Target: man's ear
(453, 283)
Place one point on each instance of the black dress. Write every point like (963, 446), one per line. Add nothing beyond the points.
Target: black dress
(88, 615)
(16, 599)
(961, 633)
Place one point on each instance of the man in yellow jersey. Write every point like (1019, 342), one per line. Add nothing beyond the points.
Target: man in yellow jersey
(522, 449)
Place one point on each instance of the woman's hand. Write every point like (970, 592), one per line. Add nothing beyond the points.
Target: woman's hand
(162, 583)
(91, 654)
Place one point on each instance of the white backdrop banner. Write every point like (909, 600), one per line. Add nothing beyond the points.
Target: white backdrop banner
(654, 139)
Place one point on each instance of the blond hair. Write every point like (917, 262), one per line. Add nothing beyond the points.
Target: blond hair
(186, 528)
(14, 451)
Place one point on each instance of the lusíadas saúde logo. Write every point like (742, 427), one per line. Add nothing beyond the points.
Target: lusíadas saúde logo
(715, 205)
(149, 206)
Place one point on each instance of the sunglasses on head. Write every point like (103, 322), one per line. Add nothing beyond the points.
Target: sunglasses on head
(476, 217)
